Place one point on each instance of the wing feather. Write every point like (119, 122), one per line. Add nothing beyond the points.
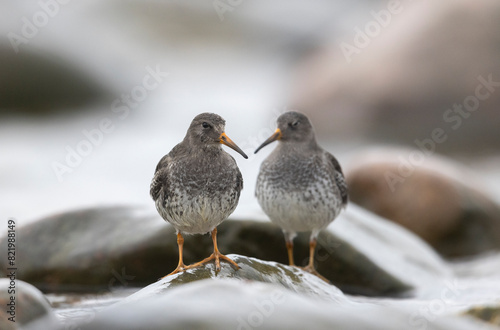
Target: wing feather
(159, 183)
(339, 178)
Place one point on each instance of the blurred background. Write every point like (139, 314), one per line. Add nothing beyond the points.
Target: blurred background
(94, 93)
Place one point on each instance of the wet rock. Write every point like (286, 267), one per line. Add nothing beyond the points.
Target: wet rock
(252, 269)
(489, 314)
(437, 200)
(232, 304)
(405, 81)
(98, 249)
(29, 309)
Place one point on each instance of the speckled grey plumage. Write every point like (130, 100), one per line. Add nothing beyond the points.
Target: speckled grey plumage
(197, 185)
(300, 185)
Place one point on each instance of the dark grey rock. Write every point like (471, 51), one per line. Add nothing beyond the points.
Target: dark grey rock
(93, 249)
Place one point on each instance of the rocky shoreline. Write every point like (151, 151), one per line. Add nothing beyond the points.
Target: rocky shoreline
(374, 266)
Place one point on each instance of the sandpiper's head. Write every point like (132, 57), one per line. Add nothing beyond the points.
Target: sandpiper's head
(292, 127)
(208, 129)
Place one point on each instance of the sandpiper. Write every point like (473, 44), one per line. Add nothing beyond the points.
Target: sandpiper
(197, 185)
(300, 186)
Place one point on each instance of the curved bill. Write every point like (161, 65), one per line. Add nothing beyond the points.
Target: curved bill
(225, 140)
(276, 136)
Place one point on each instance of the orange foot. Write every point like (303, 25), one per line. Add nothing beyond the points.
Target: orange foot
(180, 268)
(312, 270)
(217, 256)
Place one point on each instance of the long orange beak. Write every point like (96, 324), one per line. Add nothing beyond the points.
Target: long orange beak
(224, 139)
(276, 136)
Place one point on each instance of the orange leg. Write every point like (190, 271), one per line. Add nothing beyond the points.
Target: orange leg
(312, 248)
(215, 255)
(310, 267)
(289, 248)
(289, 236)
(180, 267)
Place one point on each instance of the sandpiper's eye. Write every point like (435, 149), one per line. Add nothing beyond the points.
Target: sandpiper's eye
(295, 123)
(205, 124)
